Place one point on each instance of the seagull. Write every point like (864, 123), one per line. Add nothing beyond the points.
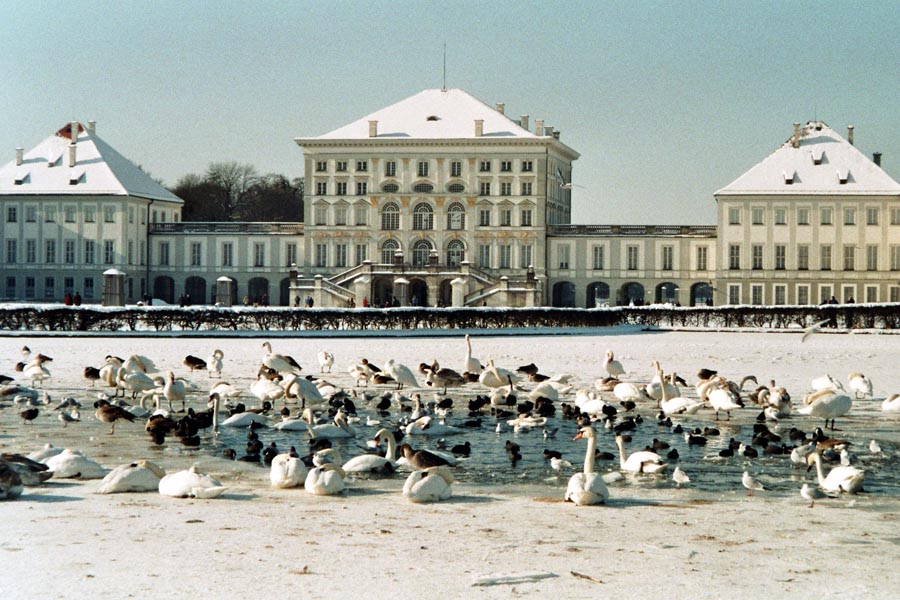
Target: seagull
(569, 186)
(874, 448)
(812, 494)
(680, 477)
(813, 329)
(751, 484)
(557, 464)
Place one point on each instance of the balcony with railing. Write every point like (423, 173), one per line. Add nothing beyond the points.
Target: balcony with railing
(227, 227)
(634, 230)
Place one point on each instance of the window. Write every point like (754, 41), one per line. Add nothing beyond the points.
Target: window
(780, 250)
(227, 254)
(484, 217)
(29, 287)
(162, 216)
(505, 217)
(599, 256)
(895, 258)
(484, 166)
(195, 254)
(734, 294)
(423, 217)
(756, 294)
(526, 188)
(50, 252)
(69, 252)
(340, 255)
(388, 250)
(109, 252)
(849, 216)
(12, 251)
(734, 257)
(290, 254)
(12, 214)
(321, 166)
(825, 293)
(423, 188)
(69, 214)
(803, 258)
(757, 216)
(781, 216)
(421, 250)
(872, 215)
(456, 217)
(340, 215)
(871, 257)
(506, 166)
(259, 254)
(484, 256)
(485, 188)
(361, 214)
(756, 257)
(89, 252)
(130, 252)
(456, 188)
(895, 216)
(456, 252)
(88, 287)
(155, 217)
(527, 166)
(631, 257)
(422, 168)
(321, 188)
(390, 217)
(109, 214)
(31, 214)
(130, 214)
(340, 166)
(456, 169)
(49, 287)
(505, 256)
(525, 256)
(10, 287)
(361, 187)
(802, 216)
(341, 188)
(825, 258)
(702, 258)
(734, 216)
(525, 217)
(780, 294)
(825, 216)
(871, 293)
(802, 294)
(30, 251)
(164, 253)
(49, 214)
(321, 214)
(390, 168)
(849, 258)
(506, 188)
(390, 188)
(362, 166)
(895, 293)
(668, 257)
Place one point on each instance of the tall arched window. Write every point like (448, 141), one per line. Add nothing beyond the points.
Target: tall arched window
(456, 252)
(390, 216)
(388, 249)
(423, 217)
(421, 250)
(456, 216)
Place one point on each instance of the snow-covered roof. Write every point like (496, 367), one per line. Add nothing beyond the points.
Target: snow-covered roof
(820, 162)
(98, 169)
(433, 114)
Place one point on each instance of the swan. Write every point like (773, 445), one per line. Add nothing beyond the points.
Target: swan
(139, 476)
(72, 463)
(840, 479)
(279, 362)
(891, 403)
(326, 361)
(372, 463)
(48, 451)
(225, 390)
(137, 362)
(36, 371)
(471, 364)
(214, 363)
(826, 382)
(722, 399)
(643, 461)
(287, 471)
(588, 487)
(427, 426)
(266, 390)
(428, 485)
(302, 388)
(612, 367)
(190, 484)
(326, 480)
(358, 373)
(174, 390)
(677, 405)
(495, 377)
(244, 419)
(626, 391)
(588, 403)
(546, 389)
(338, 429)
(860, 385)
(136, 382)
(401, 373)
(828, 405)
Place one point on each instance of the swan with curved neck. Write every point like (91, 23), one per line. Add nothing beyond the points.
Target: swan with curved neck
(643, 461)
(840, 479)
(587, 488)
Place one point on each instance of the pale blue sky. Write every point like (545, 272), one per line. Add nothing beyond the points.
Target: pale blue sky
(666, 102)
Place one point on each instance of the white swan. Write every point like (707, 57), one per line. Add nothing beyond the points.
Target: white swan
(36, 371)
(428, 485)
(589, 403)
(326, 361)
(139, 476)
(372, 463)
(679, 404)
(612, 367)
(244, 419)
(826, 382)
(402, 374)
(828, 405)
(280, 362)
(546, 389)
(42, 455)
(840, 479)
(495, 377)
(174, 390)
(722, 399)
(135, 382)
(72, 463)
(471, 365)
(588, 487)
(626, 391)
(326, 480)
(190, 484)
(891, 403)
(338, 429)
(860, 385)
(214, 363)
(287, 471)
(138, 362)
(299, 387)
(643, 461)
(225, 390)
(428, 426)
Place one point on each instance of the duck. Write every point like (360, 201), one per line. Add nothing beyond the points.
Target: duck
(287, 471)
(282, 363)
(139, 476)
(428, 485)
(643, 461)
(110, 413)
(194, 363)
(92, 374)
(587, 488)
(326, 361)
(840, 479)
(30, 471)
(10, 482)
(70, 464)
(190, 483)
(325, 480)
(214, 363)
(827, 404)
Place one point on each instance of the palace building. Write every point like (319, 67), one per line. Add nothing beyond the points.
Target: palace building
(443, 200)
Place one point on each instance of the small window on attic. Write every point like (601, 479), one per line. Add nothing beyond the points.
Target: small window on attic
(21, 177)
(433, 118)
(76, 176)
(818, 154)
(54, 160)
(843, 176)
(789, 177)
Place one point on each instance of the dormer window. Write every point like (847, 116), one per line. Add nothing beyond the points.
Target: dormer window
(818, 154)
(432, 118)
(21, 177)
(843, 176)
(76, 176)
(789, 177)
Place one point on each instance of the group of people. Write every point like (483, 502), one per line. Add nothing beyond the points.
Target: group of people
(70, 300)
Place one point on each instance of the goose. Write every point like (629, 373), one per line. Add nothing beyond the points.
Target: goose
(326, 361)
(750, 483)
(10, 482)
(190, 483)
(860, 385)
(643, 461)
(326, 480)
(174, 391)
(840, 479)
(30, 471)
(587, 488)
(92, 374)
(280, 362)
(428, 485)
(471, 364)
(71, 464)
(612, 367)
(828, 405)
(110, 413)
(214, 363)
(812, 494)
(438, 377)
(423, 459)
(287, 471)
(402, 374)
(891, 403)
(194, 363)
(139, 476)
(427, 426)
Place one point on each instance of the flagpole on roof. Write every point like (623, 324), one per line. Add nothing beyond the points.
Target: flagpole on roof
(444, 88)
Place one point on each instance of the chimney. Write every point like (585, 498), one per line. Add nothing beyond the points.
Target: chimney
(20, 155)
(72, 150)
(92, 127)
(795, 141)
(501, 108)
(479, 127)
(850, 134)
(548, 130)
(373, 128)
(555, 134)
(876, 158)
(523, 122)
(539, 127)
(74, 131)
